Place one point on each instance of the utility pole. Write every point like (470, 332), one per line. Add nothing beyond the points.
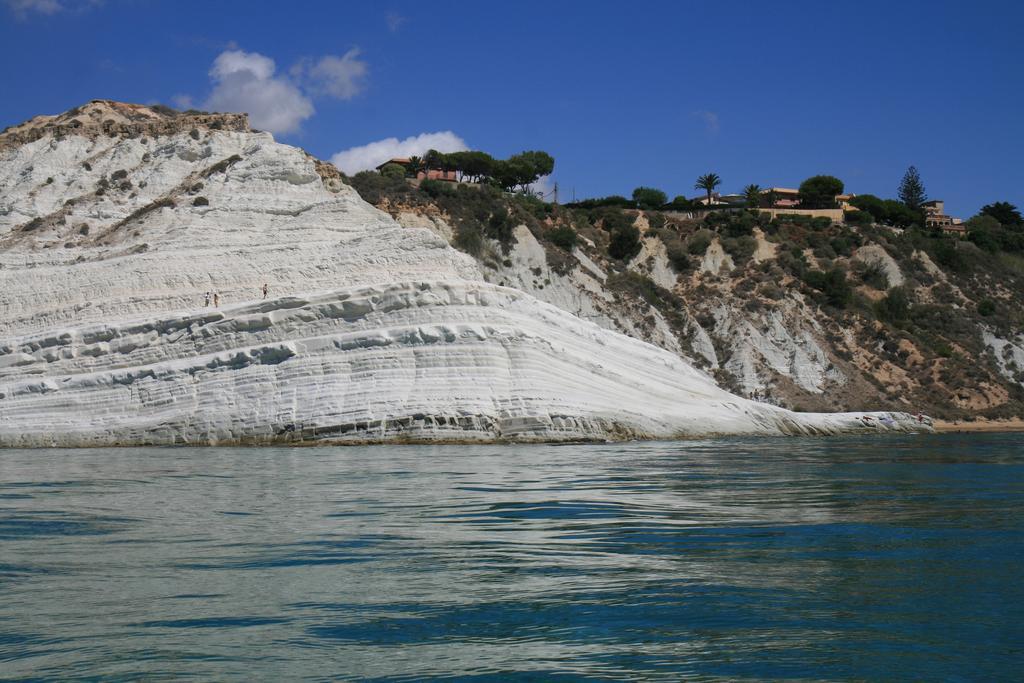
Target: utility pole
(556, 193)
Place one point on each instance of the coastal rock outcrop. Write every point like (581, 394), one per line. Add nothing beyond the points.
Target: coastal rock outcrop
(111, 237)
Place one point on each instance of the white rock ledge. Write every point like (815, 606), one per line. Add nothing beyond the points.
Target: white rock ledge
(373, 332)
(417, 361)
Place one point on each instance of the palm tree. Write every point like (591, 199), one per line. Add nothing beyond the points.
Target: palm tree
(753, 195)
(416, 164)
(708, 182)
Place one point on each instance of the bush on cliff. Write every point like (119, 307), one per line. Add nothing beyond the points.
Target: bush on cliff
(832, 284)
(374, 187)
(740, 248)
(699, 242)
(894, 307)
(393, 171)
(563, 236)
(624, 243)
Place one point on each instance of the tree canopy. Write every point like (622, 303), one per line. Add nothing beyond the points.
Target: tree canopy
(887, 211)
(708, 182)
(519, 171)
(393, 171)
(649, 198)
(523, 169)
(819, 192)
(752, 193)
(912, 189)
(472, 166)
(992, 234)
(1004, 212)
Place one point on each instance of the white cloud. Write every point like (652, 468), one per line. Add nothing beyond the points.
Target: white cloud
(245, 82)
(340, 77)
(394, 20)
(373, 154)
(710, 118)
(23, 8)
(239, 61)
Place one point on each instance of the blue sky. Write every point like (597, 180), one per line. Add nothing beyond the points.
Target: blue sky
(621, 94)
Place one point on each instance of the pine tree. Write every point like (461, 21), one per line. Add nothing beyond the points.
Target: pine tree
(912, 189)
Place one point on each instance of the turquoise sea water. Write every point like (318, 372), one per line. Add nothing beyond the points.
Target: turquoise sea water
(839, 559)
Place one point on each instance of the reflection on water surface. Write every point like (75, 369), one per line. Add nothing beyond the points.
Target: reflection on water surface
(883, 558)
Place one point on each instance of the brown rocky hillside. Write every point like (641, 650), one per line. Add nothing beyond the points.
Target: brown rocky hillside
(806, 314)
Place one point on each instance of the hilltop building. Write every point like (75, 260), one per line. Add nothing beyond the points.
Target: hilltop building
(430, 174)
(778, 200)
(935, 217)
(720, 200)
(788, 198)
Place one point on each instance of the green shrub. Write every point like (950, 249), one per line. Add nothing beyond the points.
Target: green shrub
(832, 284)
(223, 165)
(947, 254)
(373, 187)
(986, 307)
(649, 198)
(624, 243)
(645, 288)
(500, 226)
(613, 200)
(393, 171)
(699, 242)
(200, 201)
(437, 188)
(468, 239)
(656, 220)
(678, 257)
(163, 109)
(533, 205)
(739, 224)
(894, 307)
(740, 248)
(873, 275)
(563, 236)
(612, 219)
(858, 217)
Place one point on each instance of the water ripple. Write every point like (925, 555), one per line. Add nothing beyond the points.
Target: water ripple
(838, 559)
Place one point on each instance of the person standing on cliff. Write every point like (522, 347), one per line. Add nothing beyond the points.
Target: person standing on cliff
(207, 304)
(264, 290)
(216, 300)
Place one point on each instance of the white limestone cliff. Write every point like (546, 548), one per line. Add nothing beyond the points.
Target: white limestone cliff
(111, 234)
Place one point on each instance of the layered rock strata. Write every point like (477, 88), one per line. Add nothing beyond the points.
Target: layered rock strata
(109, 244)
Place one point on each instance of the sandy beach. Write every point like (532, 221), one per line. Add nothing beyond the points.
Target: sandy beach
(980, 425)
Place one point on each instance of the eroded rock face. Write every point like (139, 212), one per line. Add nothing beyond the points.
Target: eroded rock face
(106, 118)
(1009, 354)
(370, 331)
(874, 255)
